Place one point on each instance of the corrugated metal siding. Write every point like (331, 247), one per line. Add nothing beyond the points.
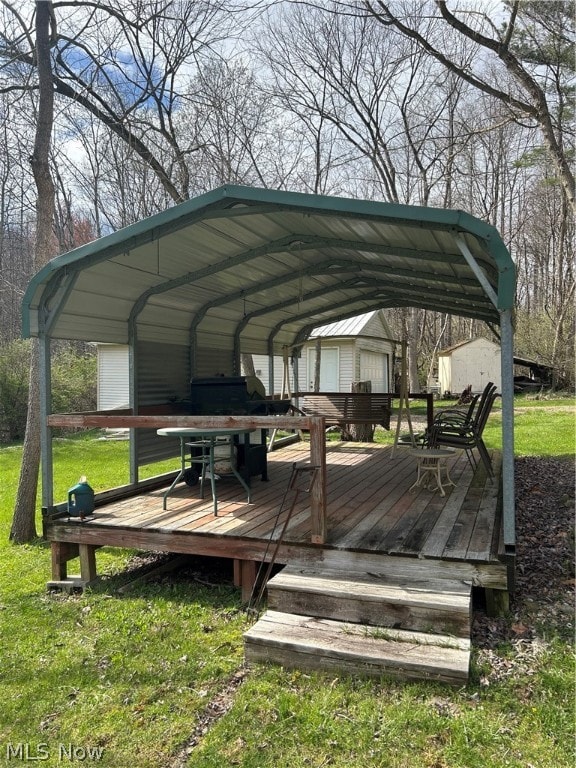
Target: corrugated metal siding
(163, 375)
(213, 362)
(163, 372)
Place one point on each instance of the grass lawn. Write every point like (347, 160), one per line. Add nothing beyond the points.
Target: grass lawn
(125, 679)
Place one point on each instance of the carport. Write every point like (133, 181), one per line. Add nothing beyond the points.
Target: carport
(244, 270)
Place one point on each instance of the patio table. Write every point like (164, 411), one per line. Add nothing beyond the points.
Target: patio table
(205, 441)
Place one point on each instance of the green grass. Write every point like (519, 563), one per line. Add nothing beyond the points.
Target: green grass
(537, 432)
(541, 427)
(283, 718)
(131, 673)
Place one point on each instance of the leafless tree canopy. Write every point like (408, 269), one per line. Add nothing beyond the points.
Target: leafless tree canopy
(408, 101)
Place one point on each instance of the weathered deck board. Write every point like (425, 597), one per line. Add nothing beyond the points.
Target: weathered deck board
(440, 607)
(435, 544)
(370, 509)
(352, 526)
(485, 534)
(312, 643)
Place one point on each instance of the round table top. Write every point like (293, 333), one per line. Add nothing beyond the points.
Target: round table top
(432, 453)
(197, 431)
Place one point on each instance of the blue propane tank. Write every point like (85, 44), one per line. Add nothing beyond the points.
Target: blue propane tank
(80, 499)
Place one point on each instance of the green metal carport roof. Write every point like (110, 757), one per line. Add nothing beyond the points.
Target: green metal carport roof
(253, 270)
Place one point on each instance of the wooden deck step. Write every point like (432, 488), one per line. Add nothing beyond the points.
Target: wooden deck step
(322, 644)
(436, 606)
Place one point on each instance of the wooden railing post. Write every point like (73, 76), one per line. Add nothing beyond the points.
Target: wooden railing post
(318, 491)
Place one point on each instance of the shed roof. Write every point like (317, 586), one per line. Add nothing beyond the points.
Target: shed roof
(353, 326)
(259, 269)
(460, 344)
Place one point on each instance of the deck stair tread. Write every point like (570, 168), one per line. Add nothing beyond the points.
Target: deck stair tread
(440, 606)
(317, 643)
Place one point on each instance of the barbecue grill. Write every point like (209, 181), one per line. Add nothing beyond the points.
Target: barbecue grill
(232, 396)
(237, 396)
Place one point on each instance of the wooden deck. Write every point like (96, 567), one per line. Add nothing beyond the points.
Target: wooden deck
(371, 512)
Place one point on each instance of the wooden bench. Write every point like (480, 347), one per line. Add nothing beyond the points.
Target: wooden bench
(340, 408)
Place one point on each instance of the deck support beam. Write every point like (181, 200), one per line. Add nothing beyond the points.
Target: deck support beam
(87, 554)
(62, 553)
(245, 572)
(318, 499)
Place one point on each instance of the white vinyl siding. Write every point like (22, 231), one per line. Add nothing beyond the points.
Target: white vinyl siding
(113, 367)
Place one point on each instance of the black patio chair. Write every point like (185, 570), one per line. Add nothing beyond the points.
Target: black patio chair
(458, 416)
(456, 432)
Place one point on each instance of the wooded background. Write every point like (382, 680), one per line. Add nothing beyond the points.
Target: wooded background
(421, 103)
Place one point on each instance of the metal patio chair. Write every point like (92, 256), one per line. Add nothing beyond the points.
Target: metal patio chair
(465, 431)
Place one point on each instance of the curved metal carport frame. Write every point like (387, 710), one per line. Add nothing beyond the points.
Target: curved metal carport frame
(250, 270)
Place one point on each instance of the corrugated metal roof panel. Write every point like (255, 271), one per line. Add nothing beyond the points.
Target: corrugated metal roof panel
(263, 268)
(353, 326)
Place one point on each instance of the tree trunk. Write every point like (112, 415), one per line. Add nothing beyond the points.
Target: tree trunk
(317, 363)
(359, 433)
(23, 523)
(248, 364)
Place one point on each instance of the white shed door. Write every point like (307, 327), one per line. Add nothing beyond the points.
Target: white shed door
(374, 368)
(329, 373)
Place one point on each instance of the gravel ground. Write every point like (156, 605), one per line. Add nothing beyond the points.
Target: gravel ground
(544, 598)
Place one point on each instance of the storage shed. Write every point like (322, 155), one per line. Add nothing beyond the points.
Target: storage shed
(474, 362)
(358, 349)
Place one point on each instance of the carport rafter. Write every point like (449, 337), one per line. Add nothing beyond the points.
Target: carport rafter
(382, 293)
(364, 271)
(288, 245)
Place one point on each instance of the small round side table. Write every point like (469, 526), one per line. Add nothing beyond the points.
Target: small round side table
(432, 463)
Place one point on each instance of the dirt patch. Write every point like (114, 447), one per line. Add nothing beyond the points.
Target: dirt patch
(213, 711)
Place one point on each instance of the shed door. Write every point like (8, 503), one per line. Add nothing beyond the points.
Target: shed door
(374, 368)
(329, 373)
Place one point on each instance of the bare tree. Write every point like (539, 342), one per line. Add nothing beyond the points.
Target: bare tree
(337, 72)
(135, 95)
(524, 62)
(23, 524)
(125, 64)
